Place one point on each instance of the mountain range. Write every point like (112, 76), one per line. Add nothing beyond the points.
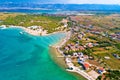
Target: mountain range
(71, 7)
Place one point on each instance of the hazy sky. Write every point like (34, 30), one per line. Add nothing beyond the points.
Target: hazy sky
(67, 1)
(95, 1)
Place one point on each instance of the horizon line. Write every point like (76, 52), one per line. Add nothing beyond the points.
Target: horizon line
(58, 3)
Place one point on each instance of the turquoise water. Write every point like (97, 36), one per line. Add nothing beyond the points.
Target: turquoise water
(27, 57)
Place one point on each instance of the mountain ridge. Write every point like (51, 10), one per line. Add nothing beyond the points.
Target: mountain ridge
(71, 7)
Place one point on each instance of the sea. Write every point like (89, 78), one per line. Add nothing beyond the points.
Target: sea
(27, 57)
(29, 11)
(63, 12)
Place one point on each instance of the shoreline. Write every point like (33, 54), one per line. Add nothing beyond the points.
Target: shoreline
(39, 32)
(60, 57)
(57, 57)
(60, 61)
(28, 30)
(59, 53)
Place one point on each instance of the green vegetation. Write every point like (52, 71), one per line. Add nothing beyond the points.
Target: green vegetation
(114, 75)
(106, 47)
(111, 75)
(117, 45)
(49, 23)
(3, 16)
(105, 25)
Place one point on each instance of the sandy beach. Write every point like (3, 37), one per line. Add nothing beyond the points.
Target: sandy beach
(30, 31)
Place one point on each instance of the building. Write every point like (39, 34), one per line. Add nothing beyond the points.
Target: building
(86, 66)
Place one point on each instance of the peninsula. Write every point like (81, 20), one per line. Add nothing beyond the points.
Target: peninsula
(91, 46)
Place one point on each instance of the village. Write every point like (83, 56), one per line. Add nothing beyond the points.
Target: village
(91, 49)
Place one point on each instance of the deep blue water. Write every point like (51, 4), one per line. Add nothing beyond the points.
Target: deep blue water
(27, 57)
(28, 11)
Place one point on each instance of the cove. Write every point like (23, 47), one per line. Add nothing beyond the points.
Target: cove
(27, 57)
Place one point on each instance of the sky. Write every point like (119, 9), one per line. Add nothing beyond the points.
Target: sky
(95, 1)
(66, 1)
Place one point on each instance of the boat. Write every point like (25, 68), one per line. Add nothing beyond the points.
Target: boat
(21, 32)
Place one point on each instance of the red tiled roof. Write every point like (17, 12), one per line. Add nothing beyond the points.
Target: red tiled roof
(86, 65)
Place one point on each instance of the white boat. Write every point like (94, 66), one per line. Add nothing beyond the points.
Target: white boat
(21, 32)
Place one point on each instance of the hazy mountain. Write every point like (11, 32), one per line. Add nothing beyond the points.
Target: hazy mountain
(32, 1)
(73, 7)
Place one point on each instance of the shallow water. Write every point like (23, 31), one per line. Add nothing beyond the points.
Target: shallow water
(27, 57)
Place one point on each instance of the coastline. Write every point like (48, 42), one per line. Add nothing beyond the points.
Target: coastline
(28, 30)
(32, 32)
(59, 57)
(39, 32)
(57, 53)
(60, 60)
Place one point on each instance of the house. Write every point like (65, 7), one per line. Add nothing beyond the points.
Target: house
(95, 31)
(86, 57)
(76, 29)
(89, 45)
(68, 60)
(34, 27)
(118, 37)
(80, 37)
(75, 54)
(95, 44)
(81, 48)
(113, 36)
(80, 54)
(80, 60)
(116, 56)
(91, 26)
(83, 34)
(67, 48)
(101, 70)
(91, 57)
(107, 57)
(118, 33)
(86, 66)
(73, 48)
